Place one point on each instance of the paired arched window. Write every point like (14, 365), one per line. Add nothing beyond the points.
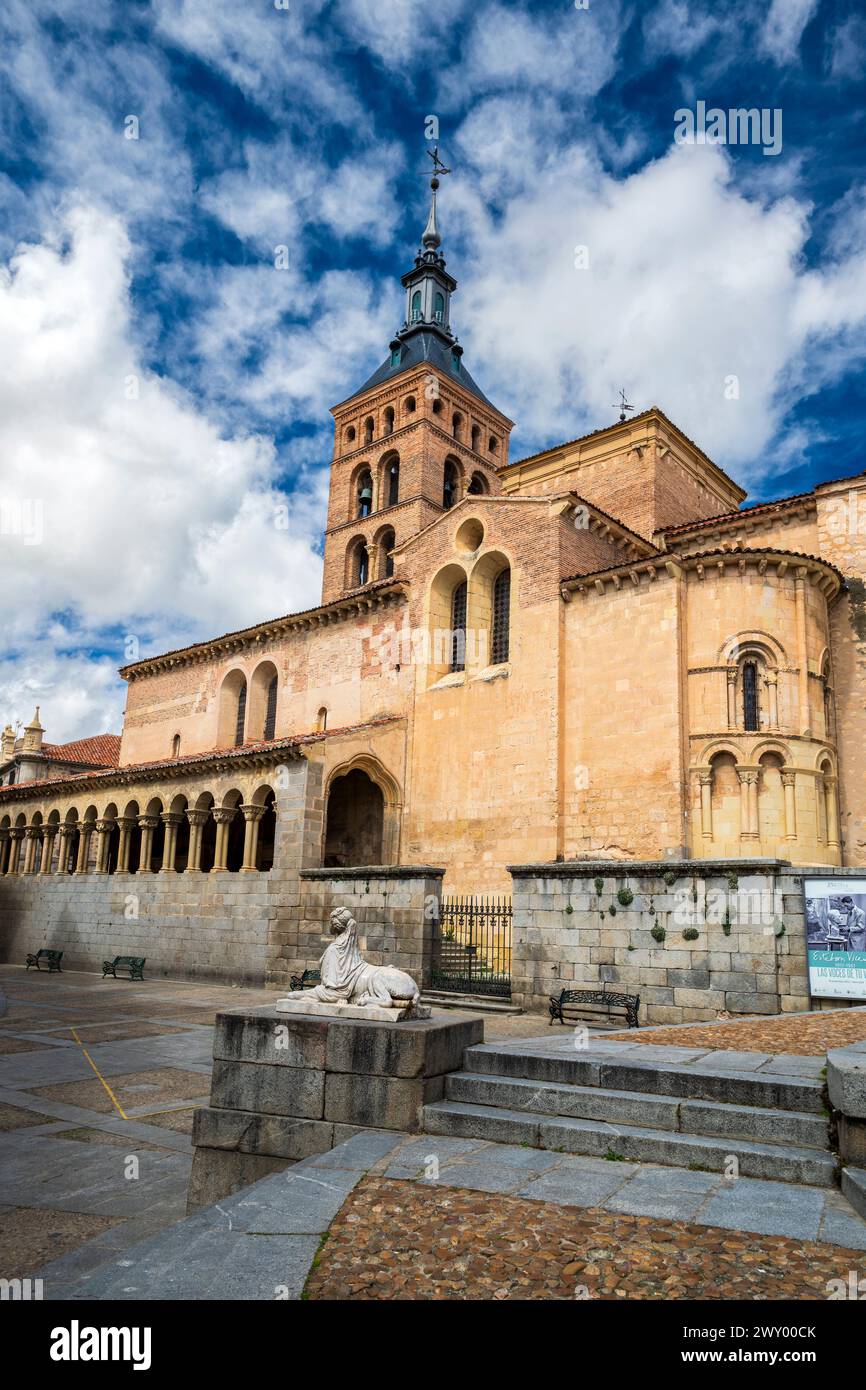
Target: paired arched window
(386, 559)
(450, 484)
(439, 308)
(362, 565)
(271, 709)
(499, 644)
(458, 628)
(751, 712)
(241, 715)
(393, 477)
(416, 306)
(364, 494)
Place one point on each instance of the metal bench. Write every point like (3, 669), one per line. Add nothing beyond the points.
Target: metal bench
(305, 981)
(582, 1005)
(51, 958)
(134, 964)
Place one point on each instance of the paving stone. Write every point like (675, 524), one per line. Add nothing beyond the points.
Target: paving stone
(769, 1208)
(569, 1188)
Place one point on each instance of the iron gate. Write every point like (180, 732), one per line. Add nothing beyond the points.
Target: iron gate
(473, 952)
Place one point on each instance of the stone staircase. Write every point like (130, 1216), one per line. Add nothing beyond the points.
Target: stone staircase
(644, 1111)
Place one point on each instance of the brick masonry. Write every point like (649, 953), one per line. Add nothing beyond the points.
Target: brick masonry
(569, 933)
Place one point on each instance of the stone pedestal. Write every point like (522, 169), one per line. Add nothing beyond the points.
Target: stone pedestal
(289, 1085)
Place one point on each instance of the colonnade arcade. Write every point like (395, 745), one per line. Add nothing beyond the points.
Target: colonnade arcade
(760, 796)
(233, 836)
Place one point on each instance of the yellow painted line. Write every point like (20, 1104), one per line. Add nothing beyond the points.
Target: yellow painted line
(114, 1099)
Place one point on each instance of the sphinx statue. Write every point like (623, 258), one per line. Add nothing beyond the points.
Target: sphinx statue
(348, 979)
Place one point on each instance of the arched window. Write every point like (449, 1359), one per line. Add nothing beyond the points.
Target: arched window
(437, 406)
(416, 306)
(409, 406)
(241, 715)
(439, 309)
(362, 565)
(386, 559)
(365, 493)
(458, 628)
(389, 419)
(393, 476)
(271, 709)
(368, 430)
(350, 435)
(477, 485)
(501, 617)
(175, 746)
(322, 719)
(494, 443)
(750, 695)
(476, 437)
(449, 484)
(457, 425)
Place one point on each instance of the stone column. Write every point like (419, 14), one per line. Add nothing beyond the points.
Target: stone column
(148, 825)
(252, 816)
(126, 824)
(4, 849)
(16, 835)
(196, 818)
(103, 831)
(49, 832)
(30, 835)
(85, 830)
(748, 803)
(706, 781)
(832, 812)
(771, 680)
(802, 651)
(732, 697)
(223, 815)
(171, 820)
(65, 833)
(789, 783)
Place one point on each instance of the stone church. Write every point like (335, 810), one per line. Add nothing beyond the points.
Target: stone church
(593, 653)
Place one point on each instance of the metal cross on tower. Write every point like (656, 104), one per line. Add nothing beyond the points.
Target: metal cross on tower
(623, 405)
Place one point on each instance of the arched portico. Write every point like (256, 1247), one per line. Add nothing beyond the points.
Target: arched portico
(362, 815)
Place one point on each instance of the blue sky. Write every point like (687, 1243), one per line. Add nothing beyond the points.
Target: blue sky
(164, 388)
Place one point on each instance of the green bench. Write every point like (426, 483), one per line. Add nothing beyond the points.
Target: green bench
(305, 981)
(134, 964)
(51, 958)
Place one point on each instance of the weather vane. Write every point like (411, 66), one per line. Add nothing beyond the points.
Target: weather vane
(438, 167)
(623, 405)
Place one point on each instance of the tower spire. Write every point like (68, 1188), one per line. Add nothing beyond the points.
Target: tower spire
(431, 239)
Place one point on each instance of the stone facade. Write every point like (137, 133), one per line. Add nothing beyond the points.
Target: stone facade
(734, 936)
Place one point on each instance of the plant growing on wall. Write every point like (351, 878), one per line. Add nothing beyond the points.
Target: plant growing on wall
(691, 934)
(612, 910)
(625, 897)
(599, 885)
(658, 933)
(670, 877)
(726, 924)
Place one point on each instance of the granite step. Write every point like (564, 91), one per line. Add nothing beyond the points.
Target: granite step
(695, 1081)
(854, 1188)
(641, 1109)
(562, 1134)
(478, 1003)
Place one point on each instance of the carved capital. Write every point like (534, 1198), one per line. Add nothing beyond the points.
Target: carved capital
(148, 822)
(171, 817)
(788, 778)
(197, 816)
(224, 815)
(253, 813)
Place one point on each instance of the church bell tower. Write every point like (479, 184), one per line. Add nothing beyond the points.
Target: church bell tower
(415, 438)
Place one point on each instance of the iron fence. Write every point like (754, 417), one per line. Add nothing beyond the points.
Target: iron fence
(474, 948)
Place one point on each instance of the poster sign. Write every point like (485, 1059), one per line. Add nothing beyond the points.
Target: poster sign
(836, 937)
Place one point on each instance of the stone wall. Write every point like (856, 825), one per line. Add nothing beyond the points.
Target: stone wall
(571, 933)
(396, 908)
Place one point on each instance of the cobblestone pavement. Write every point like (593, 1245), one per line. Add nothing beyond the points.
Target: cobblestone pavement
(802, 1035)
(396, 1240)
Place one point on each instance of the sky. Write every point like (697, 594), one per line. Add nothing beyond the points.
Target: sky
(205, 209)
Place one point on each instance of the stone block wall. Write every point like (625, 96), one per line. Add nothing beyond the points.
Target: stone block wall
(581, 925)
(396, 908)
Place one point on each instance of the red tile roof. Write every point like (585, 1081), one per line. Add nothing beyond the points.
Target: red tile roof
(101, 750)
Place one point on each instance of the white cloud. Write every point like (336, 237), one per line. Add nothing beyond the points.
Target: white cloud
(784, 27)
(689, 283)
(152, 523)
(674, 26)
(848, 50)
